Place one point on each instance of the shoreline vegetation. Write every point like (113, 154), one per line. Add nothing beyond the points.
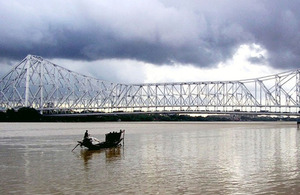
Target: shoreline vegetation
(26, 114)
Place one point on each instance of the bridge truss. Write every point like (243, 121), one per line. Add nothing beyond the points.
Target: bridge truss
(49, 88)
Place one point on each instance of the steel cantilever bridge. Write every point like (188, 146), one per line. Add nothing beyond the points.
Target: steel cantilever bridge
(52, 89)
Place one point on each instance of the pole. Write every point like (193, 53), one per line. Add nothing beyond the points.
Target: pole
(123, 136)
(75, 147)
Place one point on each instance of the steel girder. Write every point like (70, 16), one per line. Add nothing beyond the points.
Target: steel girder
(45, 86)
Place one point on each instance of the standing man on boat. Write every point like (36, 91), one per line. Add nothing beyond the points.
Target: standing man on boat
(86, 135)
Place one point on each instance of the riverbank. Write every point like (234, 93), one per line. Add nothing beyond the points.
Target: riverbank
(32, 115)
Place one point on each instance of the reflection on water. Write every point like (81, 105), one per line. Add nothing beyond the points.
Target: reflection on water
(113, 153)
(110, 154)
(158, 158)
(87, 155)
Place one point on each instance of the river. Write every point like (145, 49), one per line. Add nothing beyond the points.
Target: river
(157, 158)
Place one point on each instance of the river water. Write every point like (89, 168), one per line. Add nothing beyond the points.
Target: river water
(157, 158)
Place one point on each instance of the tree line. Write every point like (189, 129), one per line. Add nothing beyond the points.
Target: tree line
(27, 114)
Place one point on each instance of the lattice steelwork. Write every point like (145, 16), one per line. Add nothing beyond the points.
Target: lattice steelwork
(45, 86)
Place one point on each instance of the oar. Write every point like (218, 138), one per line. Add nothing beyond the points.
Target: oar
(75, 147)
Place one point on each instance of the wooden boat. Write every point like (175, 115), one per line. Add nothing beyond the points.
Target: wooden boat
(112, 139)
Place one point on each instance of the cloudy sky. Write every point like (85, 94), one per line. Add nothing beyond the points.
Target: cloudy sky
(146, 41)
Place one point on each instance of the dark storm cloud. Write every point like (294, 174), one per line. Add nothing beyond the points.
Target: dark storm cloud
(201, 33)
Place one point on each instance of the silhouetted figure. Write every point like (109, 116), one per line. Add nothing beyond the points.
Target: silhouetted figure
(86, 135)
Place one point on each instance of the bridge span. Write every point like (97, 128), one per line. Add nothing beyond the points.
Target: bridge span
(52, 89)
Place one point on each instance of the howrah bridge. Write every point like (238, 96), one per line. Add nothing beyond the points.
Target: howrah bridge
(52, 89)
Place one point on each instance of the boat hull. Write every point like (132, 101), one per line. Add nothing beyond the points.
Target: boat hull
(99, 146)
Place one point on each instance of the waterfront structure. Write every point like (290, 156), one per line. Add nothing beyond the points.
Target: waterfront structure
(52, 89)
